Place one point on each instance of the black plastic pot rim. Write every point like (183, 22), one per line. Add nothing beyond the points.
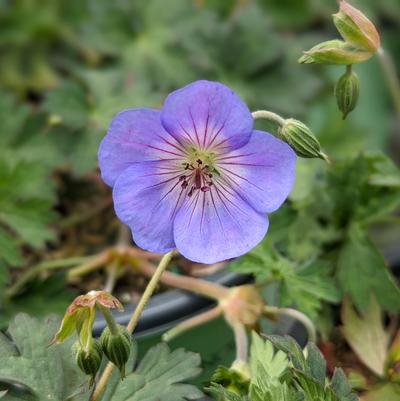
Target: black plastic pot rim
(171, 307)
(166, 309)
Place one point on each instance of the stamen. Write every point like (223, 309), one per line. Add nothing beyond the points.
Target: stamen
(198, 178)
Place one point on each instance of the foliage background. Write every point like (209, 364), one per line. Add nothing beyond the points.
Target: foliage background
(66, 67)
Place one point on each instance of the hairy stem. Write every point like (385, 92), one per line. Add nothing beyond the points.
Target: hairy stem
(198, 286)
(392, 80)
(269, 115)
(241, 342)
(111, 323)
(301, 317)
(93, 264)
(135, 318)
(192, 322)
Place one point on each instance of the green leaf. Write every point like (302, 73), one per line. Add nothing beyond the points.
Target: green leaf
(26, 197)
(289, 345)
(69, 104)
(308, 287)
(366, 335)
(316, 363)
(9, 250)
(304, 286)
(341, 386)
(159, 377)
(221, 393)
(231, 378)
(263, 389)
(314, 390)
(262, 354)
(47, 372)
(44, 297)
(362, 271)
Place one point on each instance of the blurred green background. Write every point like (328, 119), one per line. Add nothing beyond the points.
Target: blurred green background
(67, 66)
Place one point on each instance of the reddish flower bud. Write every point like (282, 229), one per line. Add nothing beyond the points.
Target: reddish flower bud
(356, 28)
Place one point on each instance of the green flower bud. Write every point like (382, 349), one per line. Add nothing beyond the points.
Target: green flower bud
(301, 139)
(89, 360)
(334, 52)
(347, 90)
(117, 347)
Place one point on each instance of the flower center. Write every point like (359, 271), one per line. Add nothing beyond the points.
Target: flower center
(197, 175)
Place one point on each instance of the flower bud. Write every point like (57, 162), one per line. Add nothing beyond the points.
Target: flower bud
(347, 90)
(117, 347)
(89, 360)
(301, 139)
(356, 28)
(334, 52)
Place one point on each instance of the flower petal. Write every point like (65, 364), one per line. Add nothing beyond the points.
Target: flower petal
(262, 171)
(208, 115)
(217, 225)
(146, 196)
(134, 135)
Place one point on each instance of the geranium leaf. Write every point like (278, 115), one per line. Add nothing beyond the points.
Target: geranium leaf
(47, 372)
(362, 271)
(316, 363)
(262, 354)
(160, 376)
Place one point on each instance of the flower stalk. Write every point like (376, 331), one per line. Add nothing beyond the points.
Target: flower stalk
(151, 286)
(273, 311)
(296, 134)
(392, 80)
(111, 323)
(269, 115)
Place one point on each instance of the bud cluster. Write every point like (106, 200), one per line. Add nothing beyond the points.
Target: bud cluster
(115, 342)
(360, 41)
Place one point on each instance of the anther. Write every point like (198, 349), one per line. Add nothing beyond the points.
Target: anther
(182, 178)
(184, 184)
(205, 189)
(199, 161)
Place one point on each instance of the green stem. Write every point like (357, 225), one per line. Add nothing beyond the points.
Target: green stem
(301, 317)
(111, 323)
(151, 286)
(269, 115)
(32, 272)
(392, 80)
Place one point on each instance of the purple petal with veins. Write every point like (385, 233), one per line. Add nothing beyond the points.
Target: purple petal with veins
(195, 176)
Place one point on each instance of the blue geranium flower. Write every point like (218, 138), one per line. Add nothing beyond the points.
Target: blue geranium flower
(195, 175)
